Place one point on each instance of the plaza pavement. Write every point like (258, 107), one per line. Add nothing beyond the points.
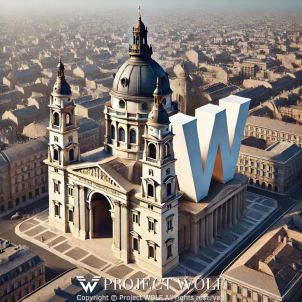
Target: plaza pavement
(96, 255)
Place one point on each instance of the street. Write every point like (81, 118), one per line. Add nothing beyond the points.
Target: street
(54, 265)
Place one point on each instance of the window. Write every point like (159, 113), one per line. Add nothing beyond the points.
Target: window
(150, 190)
(249, 294)
(70, 139)
(57, 187)
(57, 209)
(70, 215)
(121, 134)
(132, 136)
(169, 189)
(122, 104)
(17, 201)
(55, 154)
(167, 150)
(71, 155)
(68, 119)
(135, 244)
(150, 206)
(169, 224)
(152, 151)
(238, 290)
(168, 171)
(70, 191)
(229, 286)
(144, 106)
(151, 172)
(151, 252)
(56, 119)
(112, 132)
(151, 225)
(56, 139)
(135, 217)
(37, 192)
(169, 251)
(30, 195)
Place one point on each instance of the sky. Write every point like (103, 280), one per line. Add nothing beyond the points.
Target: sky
(154, 5)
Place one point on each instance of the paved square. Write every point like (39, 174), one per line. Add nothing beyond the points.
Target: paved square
(35, 231)
(119, 271)
(76, 253)
(57, 240)
(94, 261)
(45, 236)
(62, 247)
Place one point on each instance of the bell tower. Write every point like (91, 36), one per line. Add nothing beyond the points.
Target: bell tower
(63, 149)
(63, 131)
(157, 235)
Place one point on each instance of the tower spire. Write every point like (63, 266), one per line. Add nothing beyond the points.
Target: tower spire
(140, 47)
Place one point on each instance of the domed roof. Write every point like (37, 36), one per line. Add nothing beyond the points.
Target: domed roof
(61, 87)
(137, 78)
(158, 116)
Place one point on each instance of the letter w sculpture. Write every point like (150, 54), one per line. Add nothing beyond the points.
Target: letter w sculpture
(207, 146)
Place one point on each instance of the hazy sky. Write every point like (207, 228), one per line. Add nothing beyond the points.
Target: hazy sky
(59, 5)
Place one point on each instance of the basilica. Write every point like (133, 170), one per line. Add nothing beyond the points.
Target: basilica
(128, 190)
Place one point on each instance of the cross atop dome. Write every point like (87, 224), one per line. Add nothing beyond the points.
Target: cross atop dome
(140, 47)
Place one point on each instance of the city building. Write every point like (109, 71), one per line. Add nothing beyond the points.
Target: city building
(276, 168)
(23, 174)
(128, 190)
(66, 286)
(273, 130)
(21, 271)
(269, 271)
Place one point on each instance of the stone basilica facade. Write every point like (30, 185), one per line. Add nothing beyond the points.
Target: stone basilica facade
(128, 190)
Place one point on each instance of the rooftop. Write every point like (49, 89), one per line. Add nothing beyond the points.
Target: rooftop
(274, 125)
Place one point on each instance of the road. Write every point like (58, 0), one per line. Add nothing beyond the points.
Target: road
(285, 202)
(54, 264)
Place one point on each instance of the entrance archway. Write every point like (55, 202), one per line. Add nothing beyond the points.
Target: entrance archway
(101, 223)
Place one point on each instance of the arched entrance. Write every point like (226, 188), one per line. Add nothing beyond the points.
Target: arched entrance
(101, 223)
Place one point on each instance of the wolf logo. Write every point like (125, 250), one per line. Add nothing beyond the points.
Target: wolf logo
(88, 286)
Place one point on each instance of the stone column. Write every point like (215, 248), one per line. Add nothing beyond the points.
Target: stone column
(117, 225)
(90, 222)
(210, 228)
(124, 233)
(230, 216)
(202, 232)
(234, 210)
(195, 237)
(82, 213)
(76, 208)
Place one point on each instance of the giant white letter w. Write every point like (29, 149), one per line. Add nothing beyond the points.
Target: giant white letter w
(208, 144)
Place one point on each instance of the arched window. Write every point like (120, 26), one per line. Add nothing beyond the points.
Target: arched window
(56, 119)
(152, 151)
(112, 132)
(55, 154)
(132, 136)
(169, 189)
(164, 102)
(68, 119)
(150, 190)
(122, 104)
(121, 135)
(167, 150)
(144, 106)
(71, 155)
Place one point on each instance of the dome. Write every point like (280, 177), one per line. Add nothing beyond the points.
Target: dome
(158, 116)
(137, 78)
(61, 87)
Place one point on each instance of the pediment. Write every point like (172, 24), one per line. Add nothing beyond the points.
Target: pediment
(97, 174)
